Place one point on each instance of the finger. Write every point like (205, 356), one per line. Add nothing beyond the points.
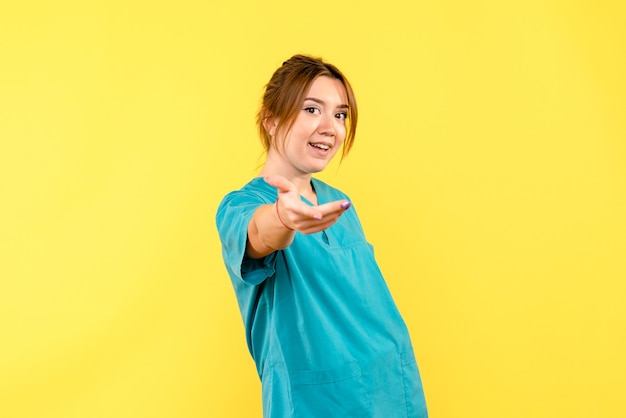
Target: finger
(312, 227)
(314, 213)
(281, 183)
(336, 207)
(332, 212)
(302, 212)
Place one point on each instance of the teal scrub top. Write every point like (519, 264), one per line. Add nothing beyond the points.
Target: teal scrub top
(321, 325)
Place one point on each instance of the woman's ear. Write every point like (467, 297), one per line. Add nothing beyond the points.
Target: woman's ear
(270, 123)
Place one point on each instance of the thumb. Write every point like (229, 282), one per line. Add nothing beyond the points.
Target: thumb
(281, 183)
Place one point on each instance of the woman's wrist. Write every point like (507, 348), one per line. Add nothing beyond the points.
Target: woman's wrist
(279, 217)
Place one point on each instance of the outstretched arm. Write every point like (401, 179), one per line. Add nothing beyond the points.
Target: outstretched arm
(273, 226)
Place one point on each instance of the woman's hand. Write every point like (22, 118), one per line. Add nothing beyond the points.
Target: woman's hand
(273, 226)
(296, 215)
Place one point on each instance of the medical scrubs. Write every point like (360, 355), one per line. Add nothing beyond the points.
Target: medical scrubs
(321, 325)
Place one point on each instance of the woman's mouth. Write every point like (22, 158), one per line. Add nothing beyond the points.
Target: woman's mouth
(320, 146)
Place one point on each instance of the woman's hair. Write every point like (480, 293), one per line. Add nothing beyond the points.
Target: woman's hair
(286, 91)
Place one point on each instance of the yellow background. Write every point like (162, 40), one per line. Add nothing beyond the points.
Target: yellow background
(489, 171)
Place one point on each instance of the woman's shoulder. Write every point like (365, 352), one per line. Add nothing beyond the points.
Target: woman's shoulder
(258, 185)
(256, 190)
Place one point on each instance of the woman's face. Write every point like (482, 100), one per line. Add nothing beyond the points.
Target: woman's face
(318, 131)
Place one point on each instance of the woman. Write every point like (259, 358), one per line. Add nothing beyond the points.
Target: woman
(321, 325)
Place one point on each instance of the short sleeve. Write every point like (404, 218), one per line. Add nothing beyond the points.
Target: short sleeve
(233, 216)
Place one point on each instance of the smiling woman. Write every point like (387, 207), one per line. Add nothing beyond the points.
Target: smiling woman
(314, 137)
(320, 321)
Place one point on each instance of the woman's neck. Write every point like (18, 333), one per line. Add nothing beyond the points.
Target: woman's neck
(301, 181)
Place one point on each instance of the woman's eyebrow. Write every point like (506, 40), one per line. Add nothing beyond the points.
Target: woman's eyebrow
(320, 101)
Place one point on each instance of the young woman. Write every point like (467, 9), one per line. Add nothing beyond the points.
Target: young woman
(321, 325)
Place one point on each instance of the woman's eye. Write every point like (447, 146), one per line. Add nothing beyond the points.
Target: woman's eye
(341, 116)
(312, 110)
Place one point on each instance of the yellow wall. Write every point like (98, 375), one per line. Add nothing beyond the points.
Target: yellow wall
(489, 171)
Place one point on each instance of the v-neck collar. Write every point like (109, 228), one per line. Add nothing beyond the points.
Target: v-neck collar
(316, 189)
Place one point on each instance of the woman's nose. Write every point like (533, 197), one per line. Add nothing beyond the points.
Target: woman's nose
(327, 125)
